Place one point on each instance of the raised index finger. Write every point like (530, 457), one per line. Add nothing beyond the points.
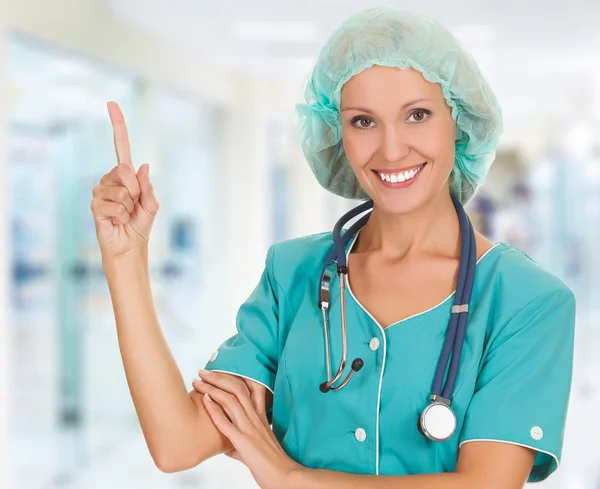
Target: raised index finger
(120, 134)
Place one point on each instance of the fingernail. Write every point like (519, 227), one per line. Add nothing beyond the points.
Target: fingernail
(203, 372)
(196, 379)
(207, 397)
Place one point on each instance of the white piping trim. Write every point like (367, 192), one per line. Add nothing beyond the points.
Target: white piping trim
(519, 444)
(243, 376)
(379, 402)
(382, 365)
(385, 342)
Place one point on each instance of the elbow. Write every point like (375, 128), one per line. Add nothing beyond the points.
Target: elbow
(171, 463)
(166, 468)
(168, 465)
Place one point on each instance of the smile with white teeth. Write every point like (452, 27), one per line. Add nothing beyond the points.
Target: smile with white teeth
(400, 177)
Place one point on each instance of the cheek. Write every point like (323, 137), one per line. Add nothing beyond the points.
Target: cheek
(440, 146)
(359, 147)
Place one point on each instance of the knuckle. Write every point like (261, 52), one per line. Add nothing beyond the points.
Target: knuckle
(239, 382)
(121, 170)
(122, 193)
(96, 204)
(243, 391)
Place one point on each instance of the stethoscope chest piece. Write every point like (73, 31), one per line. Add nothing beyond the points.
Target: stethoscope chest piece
(437, 421)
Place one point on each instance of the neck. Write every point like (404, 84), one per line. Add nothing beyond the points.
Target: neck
(432, 229)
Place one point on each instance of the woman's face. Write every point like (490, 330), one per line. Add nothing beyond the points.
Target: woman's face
(394, 120)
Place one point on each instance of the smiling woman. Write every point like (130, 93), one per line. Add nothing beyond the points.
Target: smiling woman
(397, 112)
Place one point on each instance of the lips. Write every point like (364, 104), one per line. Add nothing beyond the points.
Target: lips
(400, 179)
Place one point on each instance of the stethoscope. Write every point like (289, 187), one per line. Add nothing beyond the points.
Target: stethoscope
(437, 421)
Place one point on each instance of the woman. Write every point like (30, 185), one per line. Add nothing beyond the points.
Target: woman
(396, 112)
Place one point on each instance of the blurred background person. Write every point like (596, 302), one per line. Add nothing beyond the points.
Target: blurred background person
(515, 223)
(208, 91)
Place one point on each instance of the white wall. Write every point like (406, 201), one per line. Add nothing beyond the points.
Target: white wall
(257, 100)
(88, 27)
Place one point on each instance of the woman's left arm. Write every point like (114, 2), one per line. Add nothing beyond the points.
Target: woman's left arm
(481, 464)
(488, 465)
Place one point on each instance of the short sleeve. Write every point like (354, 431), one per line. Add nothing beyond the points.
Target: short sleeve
(523, 388)
(252, 352)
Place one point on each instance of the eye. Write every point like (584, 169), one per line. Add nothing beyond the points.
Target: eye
(423, 113)
(360, 120)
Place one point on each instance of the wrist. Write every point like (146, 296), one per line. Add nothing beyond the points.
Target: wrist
(135, 258)
(297, 478)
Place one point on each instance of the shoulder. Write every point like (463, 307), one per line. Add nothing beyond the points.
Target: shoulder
(303, 244)
(517, 269)
(301, 254)
(296, 264)
(520, 284)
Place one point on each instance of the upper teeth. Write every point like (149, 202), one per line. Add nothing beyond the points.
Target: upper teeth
(400, 177)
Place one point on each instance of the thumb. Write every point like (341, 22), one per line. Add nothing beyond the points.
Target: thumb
(147, 197)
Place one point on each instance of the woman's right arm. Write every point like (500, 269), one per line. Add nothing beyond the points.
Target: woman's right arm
(177, 429)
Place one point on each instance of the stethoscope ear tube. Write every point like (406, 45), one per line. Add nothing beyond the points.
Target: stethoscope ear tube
(338, 242)
(438, 421)
(323, 301)
(467, 239)
(331, 257)
(462, 312)
(358, 363)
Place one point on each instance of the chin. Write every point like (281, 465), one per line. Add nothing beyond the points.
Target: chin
(398, 205)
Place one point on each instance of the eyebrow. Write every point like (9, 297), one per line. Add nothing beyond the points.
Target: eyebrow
(407, 104)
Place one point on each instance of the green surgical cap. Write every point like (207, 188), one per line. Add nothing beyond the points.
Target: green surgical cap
(394, 37)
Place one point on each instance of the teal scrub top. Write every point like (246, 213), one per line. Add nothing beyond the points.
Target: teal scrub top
(513, 384)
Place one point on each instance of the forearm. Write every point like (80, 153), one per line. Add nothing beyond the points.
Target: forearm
(167, 414)
(328, 479)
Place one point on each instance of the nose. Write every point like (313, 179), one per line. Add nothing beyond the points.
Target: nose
(395, 144)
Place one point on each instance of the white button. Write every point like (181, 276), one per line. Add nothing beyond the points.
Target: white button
(360, 435)
(214, 356)
(374, 344)
(537, 433)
